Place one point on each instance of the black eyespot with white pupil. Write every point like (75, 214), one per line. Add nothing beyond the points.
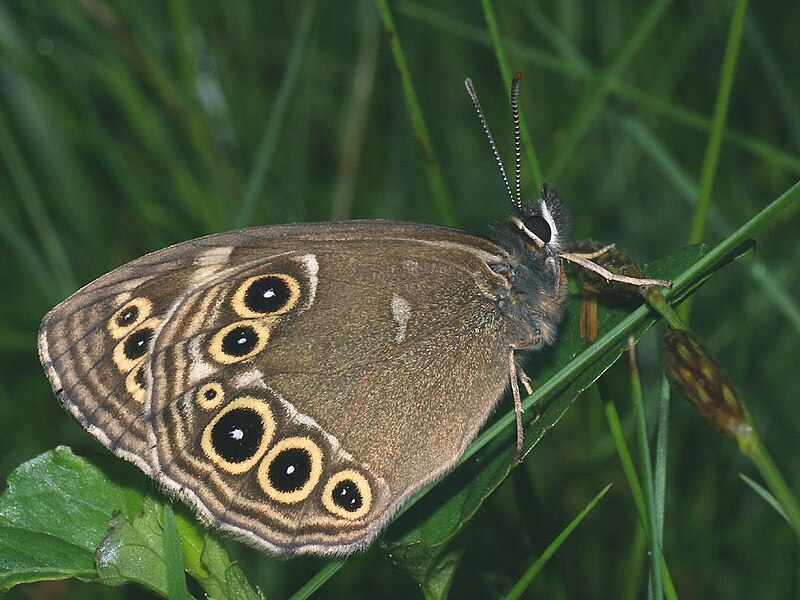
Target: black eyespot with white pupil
(347, 496)
(539, 227)
(139, 377)
(266, 295)
(237, 435)
(127, 316)
(239, 341)
(290, 469)
(137, 343)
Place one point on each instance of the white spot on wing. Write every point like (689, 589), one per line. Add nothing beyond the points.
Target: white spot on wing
(122, 298)
(251, 378)
(311, 267)
(199, 369)
(411, 266)
(310, 422)
(401, 311)
(210, 261)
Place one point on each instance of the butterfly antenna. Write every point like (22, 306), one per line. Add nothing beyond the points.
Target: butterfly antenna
(517, 144)
(473, 96)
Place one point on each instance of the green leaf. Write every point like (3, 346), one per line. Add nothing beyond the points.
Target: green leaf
(133, 552)
(423, 542)
(53, 515)
(64, 516)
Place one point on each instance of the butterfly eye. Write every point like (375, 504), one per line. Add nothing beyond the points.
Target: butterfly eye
(539, 227)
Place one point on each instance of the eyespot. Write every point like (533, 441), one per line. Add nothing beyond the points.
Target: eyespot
(238, 436)
(263, 295)
(136, 344)
(132, 349)
(210, 395)
(347, 494)
(291, 470)
(239, 341)
(135, 383)
(539, 227)
(129, 316)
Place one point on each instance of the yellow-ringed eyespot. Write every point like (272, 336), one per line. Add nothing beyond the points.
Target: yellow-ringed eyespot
(291, 469)
(347, 494)
(264, 295)
(237, 437)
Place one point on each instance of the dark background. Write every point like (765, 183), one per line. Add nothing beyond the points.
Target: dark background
(127, 126)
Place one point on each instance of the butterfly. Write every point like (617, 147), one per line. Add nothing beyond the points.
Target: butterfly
(296, 384)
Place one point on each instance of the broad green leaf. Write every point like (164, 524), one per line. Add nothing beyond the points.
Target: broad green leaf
(63, 516)
(53, 515)
(133, 551)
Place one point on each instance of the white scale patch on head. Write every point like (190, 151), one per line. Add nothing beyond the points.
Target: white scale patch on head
(210, 261)
(554, 239)
(401, 311)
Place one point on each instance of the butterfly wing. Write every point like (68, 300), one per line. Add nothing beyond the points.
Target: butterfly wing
(295, 384)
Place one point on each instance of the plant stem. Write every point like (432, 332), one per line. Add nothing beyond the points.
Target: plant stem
(751, 446)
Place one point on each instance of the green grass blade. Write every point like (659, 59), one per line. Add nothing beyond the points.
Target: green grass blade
(591, 102)
(766, 496)
(355, 128)
(173, 557)
(708, 171)
(635, 487)
(646, 464)
(660, 470)
(318, 580)
(277, 115)
(508, 73)
(59, 267)
(441, 197)
(530, 573)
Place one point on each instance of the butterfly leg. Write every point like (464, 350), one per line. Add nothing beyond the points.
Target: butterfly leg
(526, 381)
(588, 264)
(513, 376)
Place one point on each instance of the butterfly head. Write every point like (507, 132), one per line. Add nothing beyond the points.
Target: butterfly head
(535, 239)
(544, 224)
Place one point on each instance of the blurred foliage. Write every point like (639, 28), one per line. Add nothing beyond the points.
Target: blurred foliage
(127, 126)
